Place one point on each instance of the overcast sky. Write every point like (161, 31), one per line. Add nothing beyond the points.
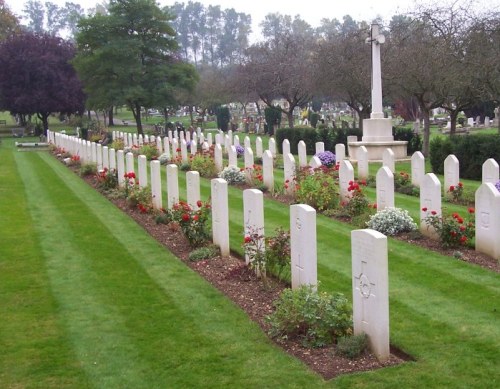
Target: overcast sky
(312, 11)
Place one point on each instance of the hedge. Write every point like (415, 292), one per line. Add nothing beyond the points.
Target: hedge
(471, 151)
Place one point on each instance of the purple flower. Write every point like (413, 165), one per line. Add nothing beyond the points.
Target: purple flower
(497, 185)
(327, 158)
(240, 150)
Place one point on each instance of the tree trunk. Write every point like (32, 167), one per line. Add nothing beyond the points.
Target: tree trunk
(427, 131)
(111, 122)
(136, 111)
(258, 108)
(289, 115)
(44, 117)
(453, 122)
(191, 114)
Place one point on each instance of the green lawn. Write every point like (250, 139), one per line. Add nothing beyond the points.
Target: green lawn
(88, 299)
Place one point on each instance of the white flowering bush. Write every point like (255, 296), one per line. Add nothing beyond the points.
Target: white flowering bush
(163, 158)
(233, 175)
(392, 221)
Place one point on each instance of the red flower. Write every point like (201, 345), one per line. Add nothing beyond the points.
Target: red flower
(433, 212)
(248, 239)
(452, 188)
(460, 184)
(462, 228)
(195, 218)
(185, 217)
(424, 209)
(199, 203)
(460, 220)
(453, 233)
(375, 205)
(463, 239)
(471, 210)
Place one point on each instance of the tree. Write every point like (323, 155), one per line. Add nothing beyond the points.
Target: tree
(129, 57)
(37, 78)
(9, 24)
(34, 12)
(343, 65)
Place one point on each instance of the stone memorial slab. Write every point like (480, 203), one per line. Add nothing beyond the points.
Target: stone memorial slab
(385, 188)
(451, 173)
(220, 215)
(98, 155)
(302, 151)
(363, 163)
(105, 157)
(319, 147)
(184, 152)
(232, 156)
(172, 185)
(209, 139)
(193, 189)
(346, 175)
(268, 170)
(303, 248)
(430, 203)
(112, 159)
(156, 184)
(120, 167)
(249, 164)
(289, 173)
(417, 168)
(129, 162)
(166, 147)
(370, 289)
(218, 157)
(285, 146)
(247, 142)
(236, 140)
(388, 159)
(253, 217)
(490, 171)
(272, 147)
(487, 213)
(314, 162)
(159, 145)
(340, 152)
(142, 163)
(259, 149)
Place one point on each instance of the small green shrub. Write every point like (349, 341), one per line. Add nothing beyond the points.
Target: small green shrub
(193, 222)
(392, 221)
(107, 179)
(233, 175)
(352, 346)
(317, 188)
(149, 150)
(202, 253)
(317, 319)
(453, 230)
(278, 257)
(205, 165)
(88, 169)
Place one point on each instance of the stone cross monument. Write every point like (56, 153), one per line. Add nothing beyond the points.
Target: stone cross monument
(377, 131)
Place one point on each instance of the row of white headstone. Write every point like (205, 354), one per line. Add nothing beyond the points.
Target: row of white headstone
(369, 248)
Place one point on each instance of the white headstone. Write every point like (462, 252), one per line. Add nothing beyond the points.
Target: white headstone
(315, 162)
(490, 171)
(227, 143)
(268, 170)
(370, 289)
(385, 188)
(99, 156)
(430, 203)
(184, 153)
(253, 214)
(105, 157)
(156, 184)
(272, 147)
(340, 152)
(166, 147)
(247, 142)
(289, 176)
(451, 172)
(142, 163)
(112, 159)
(218, 157)
(303, 245)
(220, 215)
(175, 148)
(346, 175)
(120, 167)
(320, 147)
(193, 189)
(259, 150)
(209, 139)
(194, 145)
(170, 136)
(302, 151)
(172, 185)
(363, 163)
(285, 146)
(487, 122)
(470, 122)
(488, 220)
(249, 164)
(232, 156)
(129, 163)
(93, 152)
(236, 140)
(388, 159)
(417, 168)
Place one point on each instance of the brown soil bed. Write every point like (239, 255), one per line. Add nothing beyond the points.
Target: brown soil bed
(233, 278)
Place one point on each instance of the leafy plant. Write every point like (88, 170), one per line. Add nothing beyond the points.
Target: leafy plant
(107, 179)
(88, 169)
(204, 164)
(317, 188)
(254, 246)
(392, 221)
(453, 230)
(233, 175)
(118, 144)
(352, 346)
(149, 150)
(202, 253)
(357, 203)
(193, 222)
(317, 319)
(278, 257)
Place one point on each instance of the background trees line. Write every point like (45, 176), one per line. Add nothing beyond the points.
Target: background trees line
(445, 56)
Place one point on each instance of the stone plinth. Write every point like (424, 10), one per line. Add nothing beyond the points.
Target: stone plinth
(376, 149)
